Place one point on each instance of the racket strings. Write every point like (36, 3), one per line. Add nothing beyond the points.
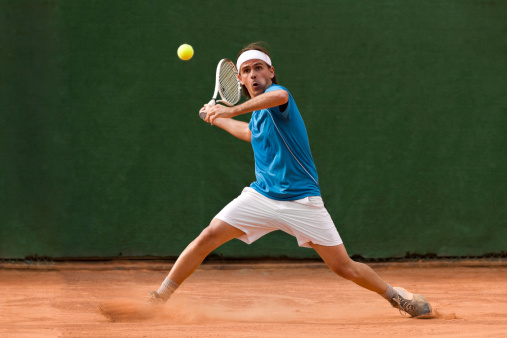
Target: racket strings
(230, 88)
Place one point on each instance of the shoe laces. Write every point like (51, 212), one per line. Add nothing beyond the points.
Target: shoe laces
(403, 305)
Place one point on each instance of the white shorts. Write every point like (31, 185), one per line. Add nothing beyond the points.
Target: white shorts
(306, 219)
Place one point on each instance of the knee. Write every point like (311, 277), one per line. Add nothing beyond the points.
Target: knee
(347, 271)
(207, 238)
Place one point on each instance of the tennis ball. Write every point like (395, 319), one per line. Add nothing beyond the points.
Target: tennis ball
(185, 52)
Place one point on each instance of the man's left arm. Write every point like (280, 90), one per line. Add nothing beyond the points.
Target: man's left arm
(263, 101)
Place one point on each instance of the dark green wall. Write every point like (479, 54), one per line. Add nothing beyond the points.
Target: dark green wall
(102, 152)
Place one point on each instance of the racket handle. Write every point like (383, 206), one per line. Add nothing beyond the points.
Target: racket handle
(203, 113)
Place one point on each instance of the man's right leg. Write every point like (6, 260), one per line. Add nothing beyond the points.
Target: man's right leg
(216, 234)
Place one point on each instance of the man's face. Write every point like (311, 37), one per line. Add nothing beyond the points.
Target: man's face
(256, 76)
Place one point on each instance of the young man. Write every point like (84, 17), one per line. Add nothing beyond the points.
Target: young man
(286, 194)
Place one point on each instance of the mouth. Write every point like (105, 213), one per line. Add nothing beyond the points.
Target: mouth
(255, 84)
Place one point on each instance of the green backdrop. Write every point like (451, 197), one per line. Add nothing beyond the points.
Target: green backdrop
(102, 152)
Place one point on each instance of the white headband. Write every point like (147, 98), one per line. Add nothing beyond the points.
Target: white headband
(251, 55)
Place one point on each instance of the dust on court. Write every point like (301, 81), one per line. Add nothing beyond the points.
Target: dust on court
(247, 300)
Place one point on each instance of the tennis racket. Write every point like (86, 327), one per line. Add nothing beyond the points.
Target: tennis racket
(227, 84)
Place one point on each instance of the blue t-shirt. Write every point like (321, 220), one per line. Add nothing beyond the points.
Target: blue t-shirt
(282, 174)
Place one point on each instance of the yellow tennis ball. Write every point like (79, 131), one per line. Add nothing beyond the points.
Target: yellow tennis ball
(185, 52)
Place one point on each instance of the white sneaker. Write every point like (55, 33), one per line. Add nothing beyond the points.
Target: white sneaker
(155, 299)
(413, 304)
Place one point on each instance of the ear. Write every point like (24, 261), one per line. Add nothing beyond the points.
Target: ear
(240, 81)
(272, 72)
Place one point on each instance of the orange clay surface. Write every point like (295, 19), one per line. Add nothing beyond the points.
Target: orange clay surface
(248, 300)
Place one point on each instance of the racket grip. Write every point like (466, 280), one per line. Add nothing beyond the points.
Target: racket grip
(203, 113)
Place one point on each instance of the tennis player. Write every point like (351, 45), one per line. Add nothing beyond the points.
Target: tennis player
(286, 194)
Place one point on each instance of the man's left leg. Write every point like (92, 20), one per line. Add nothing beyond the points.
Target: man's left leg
(337, 259)
(339, 262)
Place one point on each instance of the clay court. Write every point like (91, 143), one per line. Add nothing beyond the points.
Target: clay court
(247, 300)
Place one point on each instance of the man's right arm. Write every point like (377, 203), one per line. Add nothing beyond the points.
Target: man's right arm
(235, 128)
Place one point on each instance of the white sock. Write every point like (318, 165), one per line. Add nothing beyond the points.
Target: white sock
(389, 294)
(167, 288)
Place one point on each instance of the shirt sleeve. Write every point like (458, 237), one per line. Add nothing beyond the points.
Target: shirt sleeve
(279, 110)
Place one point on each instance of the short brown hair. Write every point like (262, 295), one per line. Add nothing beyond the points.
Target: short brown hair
(260, 47)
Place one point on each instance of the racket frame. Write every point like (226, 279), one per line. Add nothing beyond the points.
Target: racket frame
(218, 90)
